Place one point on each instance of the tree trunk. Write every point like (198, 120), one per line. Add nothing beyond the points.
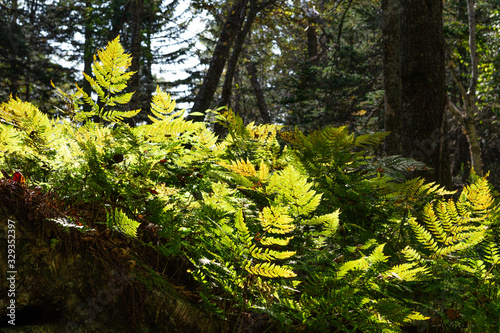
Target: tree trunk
(392, 77)
(88, 50)
(259, 94)
(238, 46)
(466, 116)
(423, 86)
(211, 80)
(136, 13)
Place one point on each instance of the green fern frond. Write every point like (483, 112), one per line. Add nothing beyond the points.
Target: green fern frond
(294, 189)
(241, 167)
(455, 227)
(268, 241)
(492, 254)
(242, 227)
(24, 116)
(168, 123)
(423, 236)
(110, 69)
(377, 256)
(162, 106)
(330, 223)
(395, 313)
(407, 272)
(477, 196)
(370, 140)
(9, 139)
(412, 254)
(119, 220)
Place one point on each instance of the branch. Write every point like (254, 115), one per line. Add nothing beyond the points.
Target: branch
(456, 112)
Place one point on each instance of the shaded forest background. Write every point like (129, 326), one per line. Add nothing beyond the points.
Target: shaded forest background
(306, 64)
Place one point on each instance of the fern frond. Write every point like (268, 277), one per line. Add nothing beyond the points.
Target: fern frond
(162, 105)
(294, 189)
(407, 272)
(412, 254)
(275, 220)
(377, 256)
(271, 270)
(492, 254)
(423, 236)
(241, 167)
(330, 223)
(9, 139)
(269, 255)
(24, 116)
(455, 227)
(268, 241)
(114, 116)
(370, 140)
(111, 77)
(122, 222)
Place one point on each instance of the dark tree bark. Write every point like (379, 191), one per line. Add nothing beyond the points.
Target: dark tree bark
(211, 80)
(423, 85)
(136, 14)
(259, 94)
(88, 50)
(392, 76)
(238, 46)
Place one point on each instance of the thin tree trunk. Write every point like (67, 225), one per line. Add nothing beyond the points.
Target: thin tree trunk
(466, 116)
(259, 94)
(136, 12)
(392, 77)
(87, 48)
(238, 46)
(205, 95)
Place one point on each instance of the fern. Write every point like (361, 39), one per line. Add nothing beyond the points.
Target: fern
(166, 122)
(122, 222)
(293, 189)
(109, 83)
(451, 227)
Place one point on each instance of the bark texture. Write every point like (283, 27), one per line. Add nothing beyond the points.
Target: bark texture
(259, 94)
(136, 14)
(423, 85)
(392, 76)
(211, 80)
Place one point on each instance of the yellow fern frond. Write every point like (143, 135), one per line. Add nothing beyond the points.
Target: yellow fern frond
(271, 270)
(407, 272)
(275, 220)
(110, 79)
(241, 167)
(269, 255)
(268, 241)
(452, 227)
